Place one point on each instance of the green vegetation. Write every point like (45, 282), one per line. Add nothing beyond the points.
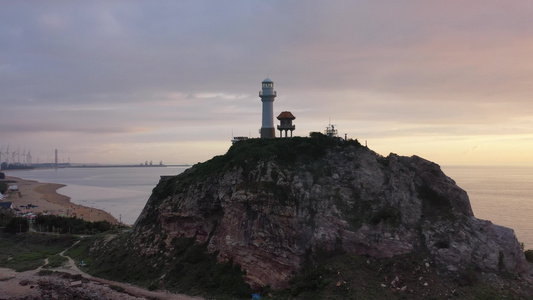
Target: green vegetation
(386, 215)
(3, 187)
(248, 153)
(5, 216)
(117, 288)
(51, 223)
(501, 257)
(434, 205)
(28, 251)
(360, 277)
(17, 225)
(188, 268)
(73, 225)
(44, 272)
(363, 212)
(56, 261)
(245, 155)
(529, 255)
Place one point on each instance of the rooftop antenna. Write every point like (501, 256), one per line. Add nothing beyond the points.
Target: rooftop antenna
(330, 130)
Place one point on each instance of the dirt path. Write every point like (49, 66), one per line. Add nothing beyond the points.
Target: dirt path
(130, 289)
(16, 285)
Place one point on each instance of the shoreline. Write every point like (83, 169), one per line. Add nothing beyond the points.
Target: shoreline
(44, 198)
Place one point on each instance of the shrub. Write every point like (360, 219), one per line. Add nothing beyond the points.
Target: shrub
(17, 224)
(529, 255)
(443, 243)
(117, 288)
(56, 261)
(5, 216)
(3, 187)
(468, 277)
(71, 224)
(501, 263)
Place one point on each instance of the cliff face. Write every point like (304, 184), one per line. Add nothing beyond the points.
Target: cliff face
(269, 205)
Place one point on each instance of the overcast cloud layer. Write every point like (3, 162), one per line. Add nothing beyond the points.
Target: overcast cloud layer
(129, 81)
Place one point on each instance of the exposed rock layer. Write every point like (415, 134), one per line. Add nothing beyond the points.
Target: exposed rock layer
(270, 204)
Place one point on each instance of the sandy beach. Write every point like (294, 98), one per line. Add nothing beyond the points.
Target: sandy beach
(38, 197)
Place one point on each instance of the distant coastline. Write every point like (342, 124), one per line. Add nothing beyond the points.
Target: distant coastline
(68, 165)
(127, 166)
(45, 199)
(119, 166)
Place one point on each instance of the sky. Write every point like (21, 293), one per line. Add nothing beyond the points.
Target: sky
(174, 81)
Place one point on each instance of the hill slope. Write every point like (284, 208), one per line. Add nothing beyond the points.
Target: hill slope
(271, 206)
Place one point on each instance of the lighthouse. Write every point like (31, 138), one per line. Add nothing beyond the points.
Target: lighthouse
(267, 95)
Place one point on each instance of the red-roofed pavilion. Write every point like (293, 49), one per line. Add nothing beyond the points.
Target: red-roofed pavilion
(285, 119)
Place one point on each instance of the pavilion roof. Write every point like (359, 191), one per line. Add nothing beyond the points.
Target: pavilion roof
(286, 115)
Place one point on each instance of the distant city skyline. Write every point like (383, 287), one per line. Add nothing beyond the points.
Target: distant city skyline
(173, 81)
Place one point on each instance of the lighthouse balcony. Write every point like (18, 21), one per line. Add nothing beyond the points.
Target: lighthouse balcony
(267, 93)
(286, 127)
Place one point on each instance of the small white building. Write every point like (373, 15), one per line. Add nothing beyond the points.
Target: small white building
(238, 139)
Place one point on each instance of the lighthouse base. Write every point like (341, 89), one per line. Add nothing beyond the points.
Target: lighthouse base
(268, 133)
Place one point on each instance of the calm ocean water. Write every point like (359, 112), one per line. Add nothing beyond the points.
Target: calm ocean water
(123, 192)
(503, 195)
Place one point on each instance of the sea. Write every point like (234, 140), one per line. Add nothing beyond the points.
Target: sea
(503, 195)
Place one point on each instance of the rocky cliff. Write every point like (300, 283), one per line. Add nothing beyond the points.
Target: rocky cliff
(270, 205)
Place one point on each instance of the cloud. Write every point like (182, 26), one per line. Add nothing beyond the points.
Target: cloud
(102, 73)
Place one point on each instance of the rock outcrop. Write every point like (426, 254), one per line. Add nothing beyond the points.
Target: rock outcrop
(270, 204)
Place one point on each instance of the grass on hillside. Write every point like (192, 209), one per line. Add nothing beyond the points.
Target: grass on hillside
(56, 261)
(28, 251)
(402, 277)
(189, 269)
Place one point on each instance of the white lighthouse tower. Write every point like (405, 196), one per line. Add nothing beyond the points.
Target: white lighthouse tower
(267, 95)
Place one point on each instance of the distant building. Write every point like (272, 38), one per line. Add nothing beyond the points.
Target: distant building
(238, 139)
(267, 95)
(285, 119)
(6, 205)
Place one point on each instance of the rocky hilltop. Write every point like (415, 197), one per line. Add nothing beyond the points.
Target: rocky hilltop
(271, 205)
